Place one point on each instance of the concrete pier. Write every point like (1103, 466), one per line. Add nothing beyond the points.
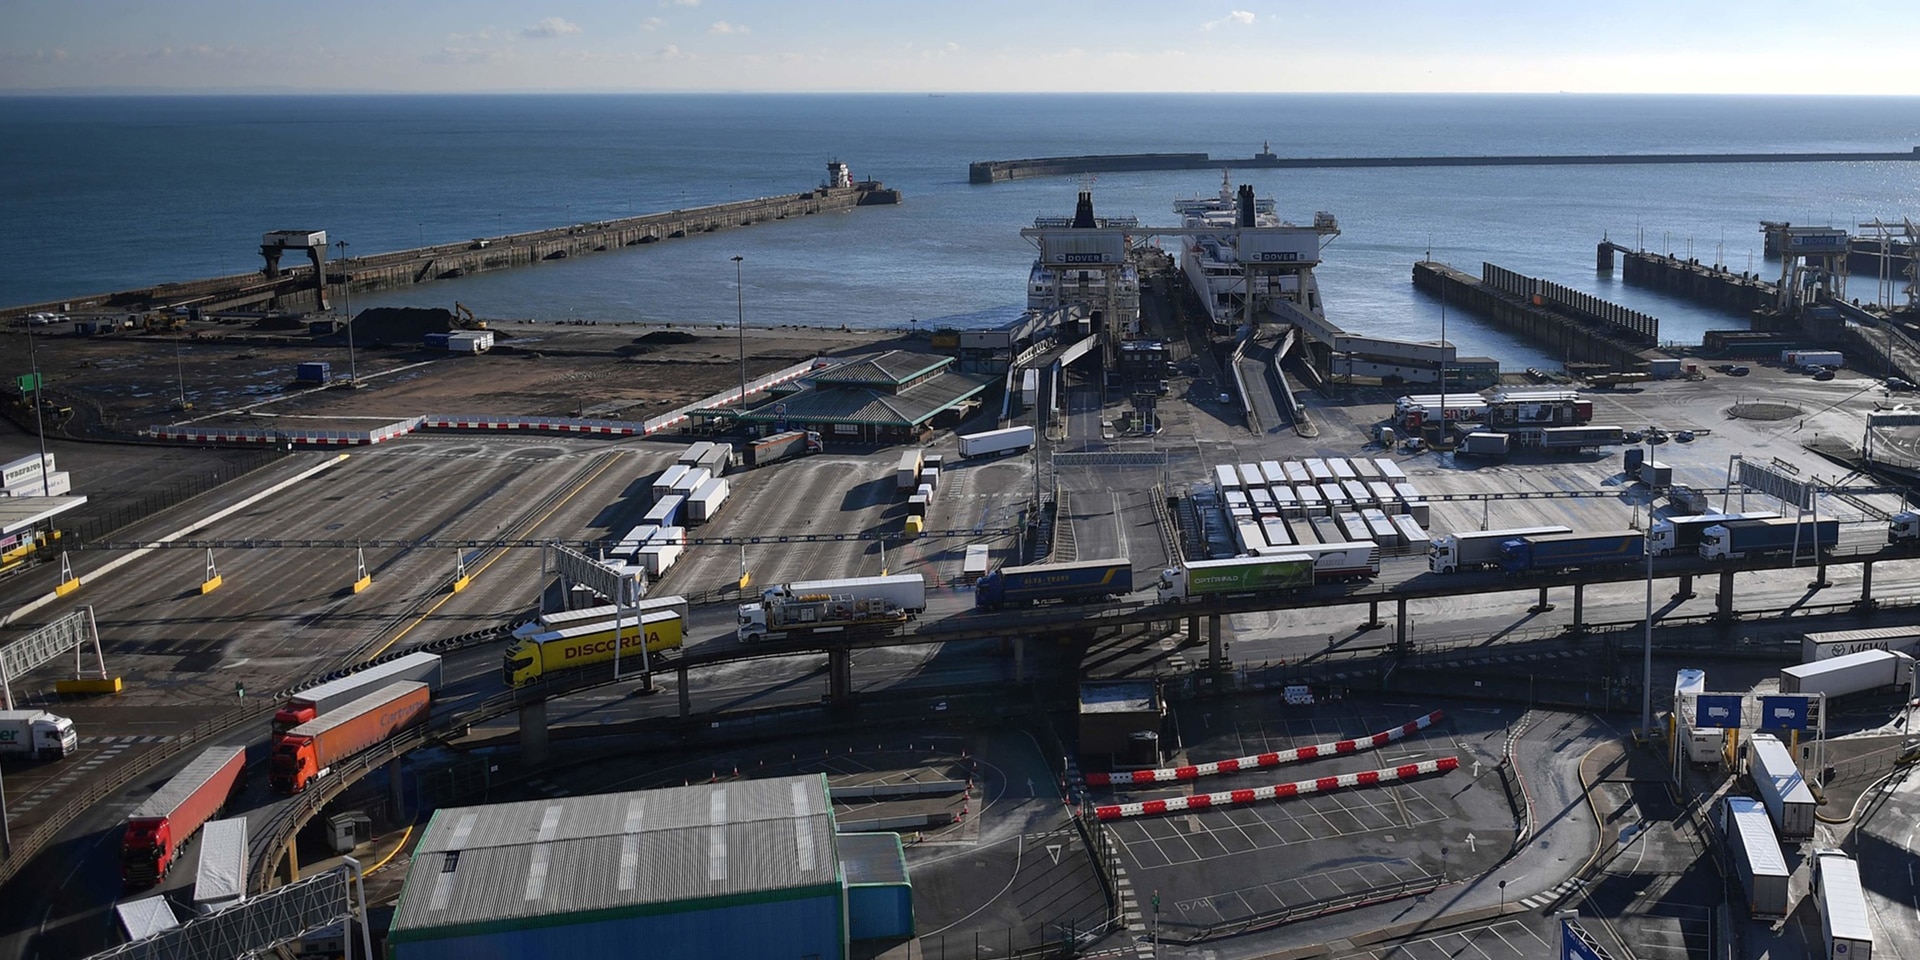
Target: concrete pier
(1711, 285)
(1564, 336)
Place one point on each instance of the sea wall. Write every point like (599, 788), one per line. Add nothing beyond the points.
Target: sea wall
(1570, 339)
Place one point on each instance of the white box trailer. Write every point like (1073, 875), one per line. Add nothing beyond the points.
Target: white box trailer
(1845, 930)
(1248, 535)
(1251, 476)
(1312, 502)
(906, 474)
(1785, 792)
(663, 485)
(1415, 539)
(691, 480)
(1756, 856)
(690, 457)
(1317, 470)
(221, 879)
(995, 442)
(1849, 674)
(1297, 472)
(1276, 532)
(666, 510)
(657, 558)
(978, 561)
(1829, 644)
(1262, 502)
(907, 591)
(15, 473)
(704, 503)
(1390, 471)
(1285, 502)
(1226, 477)
(1272, 472)
(1342, 470)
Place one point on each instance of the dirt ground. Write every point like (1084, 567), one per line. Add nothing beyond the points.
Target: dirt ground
(121, 383)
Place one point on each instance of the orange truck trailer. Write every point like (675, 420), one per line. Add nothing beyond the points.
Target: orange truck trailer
(310, 750)
(161, 825)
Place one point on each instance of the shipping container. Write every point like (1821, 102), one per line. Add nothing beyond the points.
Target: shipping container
(994, 442)
(528, 659)
(419, 667)
(1826, 645)
(1785, 792)
(1850, 673)
(1081, 581)
(1756, 856)
(312, 749)
(158, 829)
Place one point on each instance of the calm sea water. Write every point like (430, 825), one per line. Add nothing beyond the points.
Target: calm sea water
(106, 193)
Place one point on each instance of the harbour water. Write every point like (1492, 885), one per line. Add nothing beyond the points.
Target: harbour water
(107, 193)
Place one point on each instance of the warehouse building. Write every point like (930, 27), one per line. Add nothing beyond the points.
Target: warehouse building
(745, 869)
(899, 396)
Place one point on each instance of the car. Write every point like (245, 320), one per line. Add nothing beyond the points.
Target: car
(1226, 398)
(1738, 370)
(1633, 436)
(1824, 374)
(1898, 385)
(1683, 436)
(1723, 368)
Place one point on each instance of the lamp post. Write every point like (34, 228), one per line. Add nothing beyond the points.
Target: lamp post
(740, 327)
(39, 413)
(1646, 658)
(346, 293)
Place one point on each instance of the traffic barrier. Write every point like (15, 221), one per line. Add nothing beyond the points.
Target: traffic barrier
(1262, 760)
(1281, 791)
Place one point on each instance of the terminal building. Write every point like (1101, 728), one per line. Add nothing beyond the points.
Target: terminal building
(744, 869)
(899, 396)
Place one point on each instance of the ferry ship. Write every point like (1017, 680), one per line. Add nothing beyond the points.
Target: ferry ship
(1109, 290)
(1212, 261)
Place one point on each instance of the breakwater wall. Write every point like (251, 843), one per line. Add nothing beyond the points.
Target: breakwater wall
(995, 171)
(1738, 293)
(294, 289)
(1574, 339)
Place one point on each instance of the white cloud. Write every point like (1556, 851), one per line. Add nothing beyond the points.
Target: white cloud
(686, 3)
(483, 35)
(470, 55)
(652, 23)
(1242, 18)
(551, 27)
(722, 27)
(672, 52)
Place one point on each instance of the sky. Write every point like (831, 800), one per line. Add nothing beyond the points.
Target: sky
(1128, 46)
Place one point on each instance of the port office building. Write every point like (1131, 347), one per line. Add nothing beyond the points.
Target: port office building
(891, 397)
(743, 869)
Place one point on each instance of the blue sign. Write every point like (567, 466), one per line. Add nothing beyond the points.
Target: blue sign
(1574, 944)
(1716, 710)
(1783, 713)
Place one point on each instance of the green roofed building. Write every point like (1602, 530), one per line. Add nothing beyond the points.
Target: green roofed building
(744, 869)
(891, 397)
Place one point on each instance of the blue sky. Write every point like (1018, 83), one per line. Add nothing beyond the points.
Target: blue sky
(1617, 46)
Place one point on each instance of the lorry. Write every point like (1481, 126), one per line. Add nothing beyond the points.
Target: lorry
(529, 659)
(36, 734)
(1829, 644)
(221, 879)
(1670, 535)
(603, 613)
(310, 750)
(1484, 444)
(780, 446)
(1903, 527)
(704, 503)
(1845, 930)
(1781, 787)
(1453, 552)
(1749, 538)
(1549, 553)
(1336, 560)
(1081, 582)
(1756, 855)
(159, 828)
(906, 475)
(1802, 359)
(1653, 473)
(1849, 673)
(1580, 438)
(832, 604)
(993, 442)
(312, 702)
(1201, 579)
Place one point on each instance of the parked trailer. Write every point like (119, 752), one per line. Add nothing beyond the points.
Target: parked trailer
(1756, 855)
(1226, 477)
(1785, 792)
(1753, 538)
(221, 878)
(1484, 444)
(995, 442)
(1581, 438)
(906, 474)
(704, 503)
(37, 734)
(1829, 644)
(1470, 551)
(310, 703)
(1415, 539)
(781, 446)
(1247, 534)
(1200, 579)
(1276, 532)
(664, 484)
(691, 456)
(1845, 930)
(1849, 673)
(1080, 582)
(527, 660)
(310, 750)
(1554, 552)
(159, 828)
(1670, 535)
(604, 613)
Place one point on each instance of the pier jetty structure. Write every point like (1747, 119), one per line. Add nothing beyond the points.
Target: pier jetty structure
(312, 285)
(1568, 323)
(995, 171)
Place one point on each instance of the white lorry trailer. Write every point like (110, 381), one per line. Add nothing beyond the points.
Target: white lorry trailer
(1785, 792)
(1849, 674)
(36, 734)
(1829, 644)
(995, 442)
(1845, 931)
(1756, 856)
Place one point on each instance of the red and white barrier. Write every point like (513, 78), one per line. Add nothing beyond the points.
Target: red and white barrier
(1280, 791)
(1262, 760)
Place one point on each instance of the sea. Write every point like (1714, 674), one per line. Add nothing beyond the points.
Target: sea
(106, 193)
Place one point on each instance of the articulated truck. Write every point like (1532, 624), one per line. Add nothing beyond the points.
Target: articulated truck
(1201, 579)
(162, 824)
(780, 446)
(1471, 551)
(1554, 552)
(1671, 535)
(1752, 538)
(821, 605)
(1083, 581)
(603, 613)
(314, 701)
(530, 658)
(37, 734)
(311, 750)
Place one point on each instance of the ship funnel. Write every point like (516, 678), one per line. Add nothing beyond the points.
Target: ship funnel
(1245, 204)
(1083, 211)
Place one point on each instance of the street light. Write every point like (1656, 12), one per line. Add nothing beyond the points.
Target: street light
(346, 293)
(740, 326)
(1646, 658)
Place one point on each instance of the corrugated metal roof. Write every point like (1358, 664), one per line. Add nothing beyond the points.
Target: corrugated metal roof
(619, 851)
(837, 404)
(892, 367)
(872, 858)
(1755, 828)
(185, 782)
